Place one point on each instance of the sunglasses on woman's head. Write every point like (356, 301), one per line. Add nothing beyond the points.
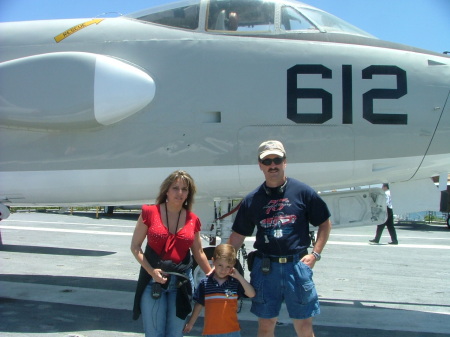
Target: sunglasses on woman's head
(268, 161)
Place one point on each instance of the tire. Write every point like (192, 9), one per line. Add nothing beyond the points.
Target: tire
(109, 210)
(198, 273)
(448, 221)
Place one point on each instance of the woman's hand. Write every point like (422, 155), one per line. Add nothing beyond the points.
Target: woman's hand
(158, 276)
(211, 271)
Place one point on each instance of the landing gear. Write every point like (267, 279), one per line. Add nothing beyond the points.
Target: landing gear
(109, 210)
(312, 236)
(197, 272)
(4, 212)
(221, 227)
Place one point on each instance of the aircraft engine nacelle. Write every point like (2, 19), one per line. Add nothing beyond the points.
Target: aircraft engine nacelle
(70, 90)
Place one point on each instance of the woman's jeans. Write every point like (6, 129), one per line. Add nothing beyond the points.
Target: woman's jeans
(159, 316)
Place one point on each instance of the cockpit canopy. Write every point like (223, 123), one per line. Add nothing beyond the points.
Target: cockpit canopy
(246, 17)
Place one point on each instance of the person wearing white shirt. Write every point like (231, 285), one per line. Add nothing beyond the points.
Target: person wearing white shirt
(389, 221)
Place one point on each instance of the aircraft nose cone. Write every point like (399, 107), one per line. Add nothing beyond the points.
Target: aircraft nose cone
(120, 90)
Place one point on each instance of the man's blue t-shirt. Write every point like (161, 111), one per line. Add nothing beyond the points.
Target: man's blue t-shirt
(282, 217)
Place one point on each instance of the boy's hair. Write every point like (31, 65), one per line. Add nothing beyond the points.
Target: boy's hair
(225, 251)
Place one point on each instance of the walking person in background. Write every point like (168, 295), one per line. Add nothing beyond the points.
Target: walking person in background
(389, 221)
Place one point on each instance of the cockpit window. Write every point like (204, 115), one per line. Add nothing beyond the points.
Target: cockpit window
(181, 17)
(292, 20)
(263, 17)
(241, 15)
(332, 24)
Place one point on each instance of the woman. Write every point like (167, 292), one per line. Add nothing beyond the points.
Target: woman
(171, 230)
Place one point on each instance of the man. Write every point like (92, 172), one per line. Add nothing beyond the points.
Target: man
(282, 209)
(389, 223)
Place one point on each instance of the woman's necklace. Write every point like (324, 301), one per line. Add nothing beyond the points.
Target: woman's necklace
(178, 221)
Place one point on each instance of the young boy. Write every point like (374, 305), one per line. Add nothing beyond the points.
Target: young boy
(219, 293)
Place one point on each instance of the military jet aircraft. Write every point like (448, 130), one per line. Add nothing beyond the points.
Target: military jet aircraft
(98, 111)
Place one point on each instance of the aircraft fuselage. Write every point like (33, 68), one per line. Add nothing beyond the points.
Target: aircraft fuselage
(350, 111)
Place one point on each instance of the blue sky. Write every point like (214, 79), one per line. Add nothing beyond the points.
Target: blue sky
(420, 23)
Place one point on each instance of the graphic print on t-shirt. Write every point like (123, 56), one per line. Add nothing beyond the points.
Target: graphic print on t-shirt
(276, 205)
(280, 223)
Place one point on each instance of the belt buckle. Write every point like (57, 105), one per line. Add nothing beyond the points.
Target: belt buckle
(282, 260)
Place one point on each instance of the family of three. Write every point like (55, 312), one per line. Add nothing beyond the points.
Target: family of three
(281, 209)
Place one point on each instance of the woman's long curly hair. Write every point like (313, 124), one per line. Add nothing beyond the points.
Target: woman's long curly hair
(174, 176)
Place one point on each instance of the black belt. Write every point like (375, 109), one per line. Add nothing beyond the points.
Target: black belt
(282, 259)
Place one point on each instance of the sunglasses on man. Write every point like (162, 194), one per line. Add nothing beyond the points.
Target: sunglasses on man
(268, 161)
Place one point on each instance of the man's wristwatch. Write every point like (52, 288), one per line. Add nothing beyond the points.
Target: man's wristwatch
(316, 255)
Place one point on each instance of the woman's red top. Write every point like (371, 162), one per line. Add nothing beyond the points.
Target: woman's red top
(167, 245)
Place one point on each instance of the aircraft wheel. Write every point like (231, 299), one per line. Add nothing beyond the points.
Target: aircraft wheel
(109, 210)
(198, 273)
(4, 212)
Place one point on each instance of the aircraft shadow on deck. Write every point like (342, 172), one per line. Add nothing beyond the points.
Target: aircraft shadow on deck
(69, 318)
(73, 281)
(53, 250)
(48, 317)
(374, 304)
(57, 317)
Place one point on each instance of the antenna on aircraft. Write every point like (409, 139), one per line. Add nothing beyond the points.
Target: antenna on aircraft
(109, 14)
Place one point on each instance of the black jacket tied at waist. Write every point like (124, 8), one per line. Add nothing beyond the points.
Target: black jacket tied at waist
(184, 292)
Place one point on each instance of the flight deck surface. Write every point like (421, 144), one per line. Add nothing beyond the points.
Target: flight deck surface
(74, 275)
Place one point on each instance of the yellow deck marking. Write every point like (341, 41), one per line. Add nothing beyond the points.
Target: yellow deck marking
(75, 29)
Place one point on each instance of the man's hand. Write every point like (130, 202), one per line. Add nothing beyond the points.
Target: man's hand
(309, 260)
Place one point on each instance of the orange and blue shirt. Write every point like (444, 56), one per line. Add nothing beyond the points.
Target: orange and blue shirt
(221, 303)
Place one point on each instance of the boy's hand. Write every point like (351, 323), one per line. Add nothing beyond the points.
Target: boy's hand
(234, 273)
(187, 328)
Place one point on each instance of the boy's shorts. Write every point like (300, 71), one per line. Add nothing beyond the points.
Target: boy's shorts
(290, 282)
